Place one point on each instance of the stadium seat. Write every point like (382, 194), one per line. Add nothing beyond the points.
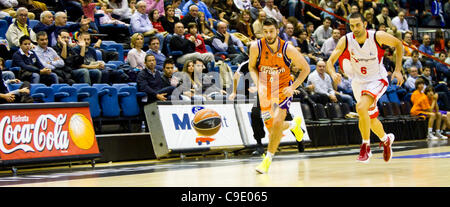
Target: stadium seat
(32, 23)
(40, 92)
(87, 93)
(3, 28)
(109, 100)
(64, 93)
(8, 66)
(392, 95)
(127, 99)
(112, 45)
(14, 86)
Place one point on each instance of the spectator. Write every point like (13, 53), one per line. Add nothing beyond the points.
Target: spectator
(426, 48)
(343, 8)
(177, 11)
(383, 18)
(89, 10)
(413, 61)
(242, 4)
(439, 42)
(6, 74)
(19, 28)
(255, 9)
(322, 84)
(192, 16)
(72, 60)
(407, 50)
(297, 25)
(96, 67)
(323, 32)
(187, 46)
(330, 44)
(244, 26)
(200, 7)
(368, 15)
(7, 8)
(121, 9)
(400, 22)
(425, 104)
(191, 87)
(443, 71)
(50, 59)
(412, 78)
(155, 4)
(141, 23)
(33, 6)
(45, 23)
(107, 17)
(273, 11)
(287, 34)
(258, 25)
(31, 68)
(438, 11)
(21, 95)
(312, 14)
(205, 27)
(159, 56)
(167, 76)
(229, 13)
(154, 18)
(304, 48)
(168, 21)
(61, 23)
(149, 81)
(225, 42)
(136, 56)
(132, 6)
(199, 42)
(209, 88)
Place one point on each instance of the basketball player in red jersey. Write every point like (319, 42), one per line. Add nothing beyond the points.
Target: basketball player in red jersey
(269, 66)
(360, 56)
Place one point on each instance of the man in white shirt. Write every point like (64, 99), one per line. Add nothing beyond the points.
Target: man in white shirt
(322, 83)
(400, 22)
(140, 23)
(273, 11)
(323, 32)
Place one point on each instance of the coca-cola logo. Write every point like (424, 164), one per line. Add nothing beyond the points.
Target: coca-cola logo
(35, 136)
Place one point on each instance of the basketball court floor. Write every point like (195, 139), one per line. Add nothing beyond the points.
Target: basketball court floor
(419, 163)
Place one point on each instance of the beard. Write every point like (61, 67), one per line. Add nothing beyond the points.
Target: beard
(271, 41)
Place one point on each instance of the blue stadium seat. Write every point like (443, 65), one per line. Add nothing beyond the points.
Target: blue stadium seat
(392, 94)
(175, 54)
(42, 92)
(32, 23)
(383, 99)
(3, 28)
(107, 45)
(14, 86)
(8, 66)
(87, 93)
(64, 93)
(109, 100)
(127, 99)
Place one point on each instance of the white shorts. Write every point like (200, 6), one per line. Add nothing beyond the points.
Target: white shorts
(373, 88)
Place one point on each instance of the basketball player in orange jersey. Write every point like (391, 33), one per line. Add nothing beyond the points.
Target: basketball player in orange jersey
(269, 66)
(360, 56)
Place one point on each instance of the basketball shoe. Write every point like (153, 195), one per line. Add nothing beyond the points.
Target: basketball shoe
(297, 129)
(387, 149)
(364, 153)
(263, 167)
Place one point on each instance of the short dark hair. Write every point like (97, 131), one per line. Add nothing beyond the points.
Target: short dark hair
(23, 38)
(148, 55)
(357, 15)
(153, 38)
(328, 18)
(41, 33)
(168, 61)
(270, 21)
(191, 25)
(62, 30)
(418, 82)
(414, 52)
(428, 89)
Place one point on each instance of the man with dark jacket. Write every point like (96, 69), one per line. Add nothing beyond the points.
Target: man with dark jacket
(31, 69)
(149, 81)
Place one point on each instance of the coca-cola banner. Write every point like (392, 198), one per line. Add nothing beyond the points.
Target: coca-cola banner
(46, 132)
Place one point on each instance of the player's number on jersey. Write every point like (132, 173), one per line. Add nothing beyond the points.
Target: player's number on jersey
(364, 70)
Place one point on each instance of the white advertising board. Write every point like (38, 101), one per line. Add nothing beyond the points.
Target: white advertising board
(177, 123)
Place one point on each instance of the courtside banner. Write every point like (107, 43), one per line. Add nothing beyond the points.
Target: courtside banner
(46, 132)
(179, 131)
(245, 109)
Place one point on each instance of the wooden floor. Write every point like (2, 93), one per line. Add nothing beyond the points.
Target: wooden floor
(411, 166)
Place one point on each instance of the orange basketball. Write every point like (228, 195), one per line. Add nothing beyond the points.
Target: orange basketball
(207, 122)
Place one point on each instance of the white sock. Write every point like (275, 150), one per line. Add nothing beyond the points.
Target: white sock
(383, 139)
(269, 155)
(438, 131)
(366, 141)
(430, 130)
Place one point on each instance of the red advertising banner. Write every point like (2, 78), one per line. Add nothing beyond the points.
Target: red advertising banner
(46, 132)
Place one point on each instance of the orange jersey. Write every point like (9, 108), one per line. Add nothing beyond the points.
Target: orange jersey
(420, 103)
(273, 66)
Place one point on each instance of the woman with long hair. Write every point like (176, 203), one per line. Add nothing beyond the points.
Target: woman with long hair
(168, 21)
(153, 15)
(244, 26)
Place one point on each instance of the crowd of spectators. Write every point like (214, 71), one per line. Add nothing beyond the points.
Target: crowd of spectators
(169, 41)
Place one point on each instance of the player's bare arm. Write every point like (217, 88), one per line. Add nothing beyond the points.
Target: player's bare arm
(384, 38)
(299, 61)
(340, 47)
(252, 62)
